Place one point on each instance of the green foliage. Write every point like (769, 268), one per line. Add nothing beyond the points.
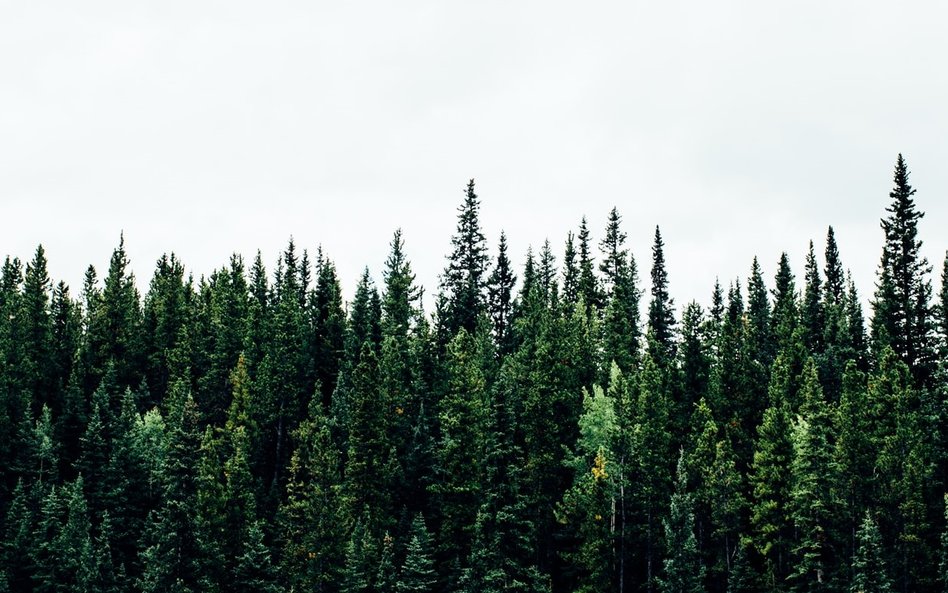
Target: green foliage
(252, 431)
(869, 565)
(683, 570)
(417, 574)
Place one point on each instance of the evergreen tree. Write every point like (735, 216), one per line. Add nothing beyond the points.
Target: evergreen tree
(417, 574)
(500, 289)
(812, 314)
(589, 506)
(37, 334)
(370, 473)
(313, 519)
(786, 309)
(570, 271)
(869, 566)
(683, 570)
(621, 329)
(358, 576)
(901, 314)
(811, 499)
(661, 310)
(588, 286)
(759, 318)
(329, 326)
(463, 281)
(835, 286)
(462, 417)
(770, 482)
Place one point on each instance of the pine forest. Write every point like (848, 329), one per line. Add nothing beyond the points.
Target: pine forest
(556, 425)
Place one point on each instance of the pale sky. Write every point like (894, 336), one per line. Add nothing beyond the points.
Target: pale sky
(204, 128)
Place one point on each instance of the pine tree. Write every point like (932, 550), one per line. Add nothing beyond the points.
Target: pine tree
(369, 472)
(811, 501)
(164, 318)
(786, 309)
(570, 271)
(254, 571)
(462, 416)
(329, 326)
(502, 553)
(313, 519)
(834, 288)
(500, 290)
(901, 313)
(661, 311)
(621, 329)
(761, 332)
(589, 506)
(417, 574)
(588, 286)
(771, 487)
(869, 566)
(463, 281)
(812, 313)
(650, 476)
(37, 334)
(683, 570)
(359, 573)
(400, 301)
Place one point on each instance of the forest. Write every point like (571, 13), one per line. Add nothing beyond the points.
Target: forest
(556, 426)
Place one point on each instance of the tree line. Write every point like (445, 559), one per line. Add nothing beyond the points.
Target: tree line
(252, 432)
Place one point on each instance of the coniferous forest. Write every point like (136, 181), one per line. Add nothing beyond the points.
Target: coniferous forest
(560, 425)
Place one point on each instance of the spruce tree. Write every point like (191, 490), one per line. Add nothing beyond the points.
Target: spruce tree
(463, 280)
(683, 570)
(661, 310)
(786, 308)
(588, 286)
(570, 271)
(313, 519)
(589, 506)
(621, 330)
(500, 286)
(834, 288)
(869, 566)
(901, 309)
(811, 499)
(812, 313)
(417, 574)
(770, 482)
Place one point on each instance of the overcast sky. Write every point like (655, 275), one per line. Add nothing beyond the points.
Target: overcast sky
(204, 128)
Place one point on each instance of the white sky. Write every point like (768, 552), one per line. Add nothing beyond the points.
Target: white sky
(204, 128)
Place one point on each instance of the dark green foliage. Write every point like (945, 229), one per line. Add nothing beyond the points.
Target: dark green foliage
(588, 284)
(621, 330)
(661, 309)
(683, 570)
(869, 567)
(417, 574)
(463, 281)
(901, 316)
(254, 432)
(500, 286)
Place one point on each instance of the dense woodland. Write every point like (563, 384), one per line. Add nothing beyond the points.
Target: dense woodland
(561, 426)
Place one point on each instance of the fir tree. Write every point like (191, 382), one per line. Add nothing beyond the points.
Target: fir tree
(812, 314)
(417, 574)
(683, 570)
(869, 566)
(463, 281)
(621, 318)
(588, 286)
(500, 290)
(901, 314)
(661, 310)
